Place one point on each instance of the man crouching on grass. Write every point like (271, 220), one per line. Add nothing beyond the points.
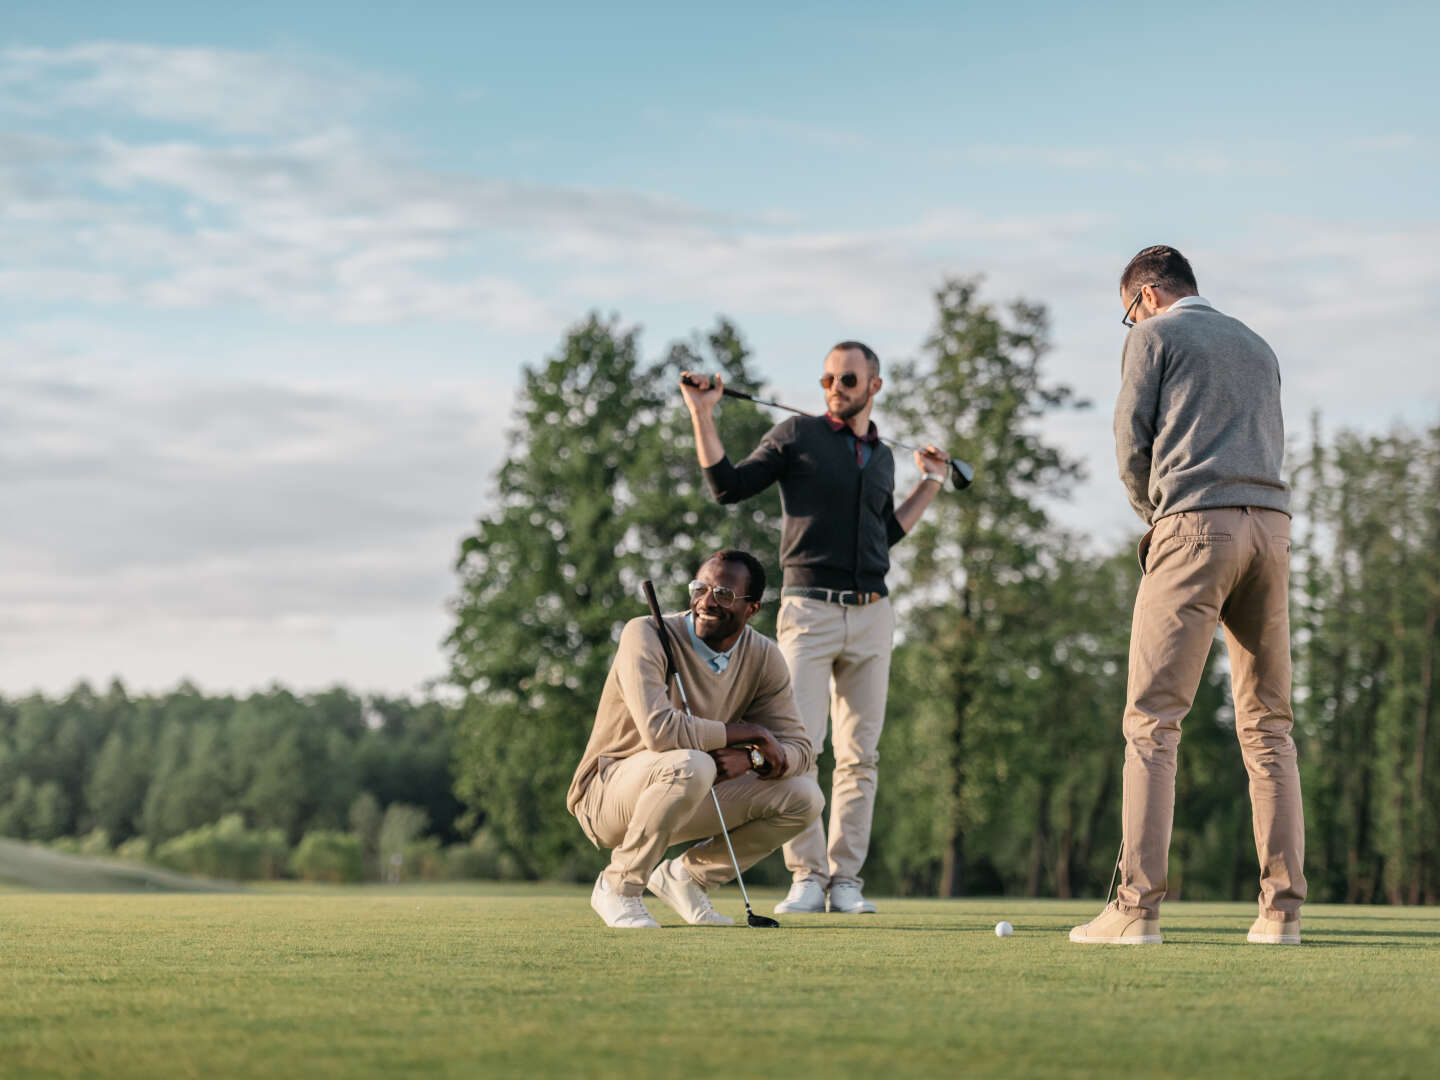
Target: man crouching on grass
(644, 782)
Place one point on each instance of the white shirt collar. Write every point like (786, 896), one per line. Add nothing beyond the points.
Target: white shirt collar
(1190, 301)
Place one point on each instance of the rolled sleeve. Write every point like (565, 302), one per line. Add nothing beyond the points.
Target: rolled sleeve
(730, 483)
(894, 531)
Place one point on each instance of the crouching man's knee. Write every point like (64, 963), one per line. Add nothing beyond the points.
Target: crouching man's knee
(688, 768)
(801, 799)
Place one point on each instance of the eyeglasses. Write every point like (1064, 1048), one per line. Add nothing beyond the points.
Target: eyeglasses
(1127, 321)
(720, 592)
(849, 380)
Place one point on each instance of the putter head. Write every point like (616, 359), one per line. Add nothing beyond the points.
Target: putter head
(961, 474)
(751, 919)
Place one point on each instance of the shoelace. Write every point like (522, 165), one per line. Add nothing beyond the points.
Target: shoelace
(632, 905)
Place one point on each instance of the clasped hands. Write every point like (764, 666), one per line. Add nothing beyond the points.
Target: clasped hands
(733, 760)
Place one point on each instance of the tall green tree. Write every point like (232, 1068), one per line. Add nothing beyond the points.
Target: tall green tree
(980, 567)
(1368, 605)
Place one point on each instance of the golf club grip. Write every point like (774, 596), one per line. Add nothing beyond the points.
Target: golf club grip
(688, 381)
(660, 630)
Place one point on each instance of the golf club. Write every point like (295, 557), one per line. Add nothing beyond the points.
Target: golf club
(751, 919)
(961, 473)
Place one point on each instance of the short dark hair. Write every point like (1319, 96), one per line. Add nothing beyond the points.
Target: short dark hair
(1159, 265)
(753, 568)
(865, 350)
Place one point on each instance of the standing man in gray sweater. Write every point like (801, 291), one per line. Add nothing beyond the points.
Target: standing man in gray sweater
(1200, 439)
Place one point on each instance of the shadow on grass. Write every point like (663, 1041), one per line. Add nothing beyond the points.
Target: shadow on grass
(1352, 939)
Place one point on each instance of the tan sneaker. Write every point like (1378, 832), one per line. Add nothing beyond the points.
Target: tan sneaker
(1115, 927)
(1274, 931)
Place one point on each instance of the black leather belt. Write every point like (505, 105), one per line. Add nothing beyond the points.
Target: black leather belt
(844, 597)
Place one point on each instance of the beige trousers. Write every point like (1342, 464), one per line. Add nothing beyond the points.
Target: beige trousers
(642, 804)
(839, 660)
(1232, 567)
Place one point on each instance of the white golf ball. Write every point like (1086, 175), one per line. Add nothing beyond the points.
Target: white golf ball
(1003, 929)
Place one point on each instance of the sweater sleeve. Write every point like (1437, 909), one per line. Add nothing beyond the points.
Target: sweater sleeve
(731, 483)
(894, 531)
(640, 664)
(1136, 418)
(774, 707)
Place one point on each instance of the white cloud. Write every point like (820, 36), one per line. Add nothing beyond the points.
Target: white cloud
(219, 510)
(216, 89)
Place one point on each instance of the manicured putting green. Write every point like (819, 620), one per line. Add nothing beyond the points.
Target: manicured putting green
(525, 981)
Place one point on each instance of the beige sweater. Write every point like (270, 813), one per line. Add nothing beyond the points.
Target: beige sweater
(639, 712)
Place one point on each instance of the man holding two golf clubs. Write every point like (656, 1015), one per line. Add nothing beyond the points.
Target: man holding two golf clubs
(837, 484)
(696, 733)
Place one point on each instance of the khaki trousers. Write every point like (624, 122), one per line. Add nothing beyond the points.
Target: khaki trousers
(642, 804)
(839, 660)
(1228, 566)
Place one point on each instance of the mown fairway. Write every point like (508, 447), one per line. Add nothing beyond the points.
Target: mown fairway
(524, 981)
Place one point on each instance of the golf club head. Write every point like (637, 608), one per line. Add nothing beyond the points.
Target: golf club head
(961, 474)
(751, 919)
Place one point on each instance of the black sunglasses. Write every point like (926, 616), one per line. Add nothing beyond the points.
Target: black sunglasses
(849, 380)
(1128, 322)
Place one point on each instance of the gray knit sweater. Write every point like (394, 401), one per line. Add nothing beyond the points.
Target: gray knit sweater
(1197, 422)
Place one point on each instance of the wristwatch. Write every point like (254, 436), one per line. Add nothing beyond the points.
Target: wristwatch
(757, 759)
(939, 478)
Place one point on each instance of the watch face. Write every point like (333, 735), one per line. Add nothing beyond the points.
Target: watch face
(757, 759)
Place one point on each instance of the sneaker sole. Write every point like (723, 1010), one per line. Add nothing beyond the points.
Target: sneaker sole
(781, 909)
(1143, 939)
(1273, 939)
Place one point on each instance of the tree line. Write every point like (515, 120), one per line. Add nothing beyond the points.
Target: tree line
(1000, 762)
(211, 783)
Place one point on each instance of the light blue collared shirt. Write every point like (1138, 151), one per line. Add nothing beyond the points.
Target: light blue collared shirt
(718, 661)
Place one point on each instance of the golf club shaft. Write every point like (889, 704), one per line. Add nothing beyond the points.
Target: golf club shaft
(674, 669)
(724, 829)
(962, 473)
(725, 832)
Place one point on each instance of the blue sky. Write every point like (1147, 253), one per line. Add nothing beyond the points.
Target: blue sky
(267, 275)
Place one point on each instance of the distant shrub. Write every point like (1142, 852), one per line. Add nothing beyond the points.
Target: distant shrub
(465, 862)
(226, 849)
(95, 842)
(136, 849)
(479, 860)
(425, 861)
(328, 855)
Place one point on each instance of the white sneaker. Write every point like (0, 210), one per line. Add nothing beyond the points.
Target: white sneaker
(805, 897)
(672, 883)
(620, 911)
(847, 899)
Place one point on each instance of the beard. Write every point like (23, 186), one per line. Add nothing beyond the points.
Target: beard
(717, 627)
(853, 409)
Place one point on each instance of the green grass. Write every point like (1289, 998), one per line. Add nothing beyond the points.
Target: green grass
(525, 981)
